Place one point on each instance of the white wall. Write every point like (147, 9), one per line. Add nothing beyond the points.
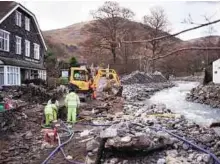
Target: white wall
(216, 71)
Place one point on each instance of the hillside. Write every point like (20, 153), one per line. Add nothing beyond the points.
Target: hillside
(70, 38)
(67, 42)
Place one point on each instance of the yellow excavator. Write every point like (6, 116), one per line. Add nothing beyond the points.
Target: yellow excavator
(81, 78)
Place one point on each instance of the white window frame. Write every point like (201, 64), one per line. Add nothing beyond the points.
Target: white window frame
(42, 74)
(36, 51)
(27, 48)
(5, 40)
(27, 23)
(2, 75)
(18, 16)
(18, 45)
(12, 75)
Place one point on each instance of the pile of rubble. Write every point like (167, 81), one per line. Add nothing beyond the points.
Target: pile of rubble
(20, 132)
(206, 94)
(144, 91)
(20, 127)
(136, 136)
(142, 77)
(33, 93)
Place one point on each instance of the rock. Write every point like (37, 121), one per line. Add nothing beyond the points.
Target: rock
(206, 138)
(206, 158)
(109, 132)
(186, 146)
(126, 139)
(176, 160)
(161, 161)
(110, 142)
(172, 153)
(69, 157)
(28, 135)
(113, 160)
(84, 133)
(141, 77)
(89, 160)
(91, 145)
(46, 145)
(199, 158)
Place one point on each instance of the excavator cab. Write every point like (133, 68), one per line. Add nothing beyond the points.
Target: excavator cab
(80, 79)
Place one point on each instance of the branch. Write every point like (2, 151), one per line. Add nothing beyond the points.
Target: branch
(175, 34)
(186, 49)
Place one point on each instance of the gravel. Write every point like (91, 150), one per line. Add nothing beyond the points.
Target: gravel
(138, 140)
(206, 94)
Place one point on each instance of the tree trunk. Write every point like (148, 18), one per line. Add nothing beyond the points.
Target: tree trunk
(114, 54)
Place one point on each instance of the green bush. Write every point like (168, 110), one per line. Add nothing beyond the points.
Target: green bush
(63, 80)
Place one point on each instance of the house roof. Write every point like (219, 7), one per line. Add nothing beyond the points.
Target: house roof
(21, 63)
(7, 7)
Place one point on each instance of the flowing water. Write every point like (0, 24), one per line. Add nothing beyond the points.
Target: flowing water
(174, 98)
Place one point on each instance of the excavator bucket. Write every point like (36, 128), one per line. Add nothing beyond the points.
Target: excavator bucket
(107, 80)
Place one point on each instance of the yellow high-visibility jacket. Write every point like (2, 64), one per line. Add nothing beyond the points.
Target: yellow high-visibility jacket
(72, 100)
(49, 109)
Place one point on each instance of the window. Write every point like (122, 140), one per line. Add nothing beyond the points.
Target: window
(13, 75)
(42, 74)
(4, 40)
(18, 45)
(27, 24)
(36, 51)
(18, 18)
(1, 76)
(27, 48)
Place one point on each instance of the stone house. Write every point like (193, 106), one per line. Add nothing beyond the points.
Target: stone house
(22, 46)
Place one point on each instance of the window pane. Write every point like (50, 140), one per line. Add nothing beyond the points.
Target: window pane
(14, 75)
(1, 78)
(1, 39)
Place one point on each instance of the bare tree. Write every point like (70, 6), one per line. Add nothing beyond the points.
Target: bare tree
(111, 20)
(158, 21)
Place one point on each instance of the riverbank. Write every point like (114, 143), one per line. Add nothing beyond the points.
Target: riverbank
(175, 99)
(115, 130)
(134, 136)
(206, 94)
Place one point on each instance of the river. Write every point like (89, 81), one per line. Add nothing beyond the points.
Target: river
(174, 98)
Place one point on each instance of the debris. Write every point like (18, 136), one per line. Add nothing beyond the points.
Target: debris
(126, 139)
(109, 132)
(206, 94)
(69, 157)
(28, 135)
(161, 161)
(141, 77)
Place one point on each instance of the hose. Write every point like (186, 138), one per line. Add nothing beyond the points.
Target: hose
(58, 147)
(192, 144)
(70, 161)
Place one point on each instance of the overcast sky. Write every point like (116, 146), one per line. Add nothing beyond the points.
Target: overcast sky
(58, 14)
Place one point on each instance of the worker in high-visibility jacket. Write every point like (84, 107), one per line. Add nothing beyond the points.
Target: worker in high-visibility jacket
(72, 102)
(50, 112)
